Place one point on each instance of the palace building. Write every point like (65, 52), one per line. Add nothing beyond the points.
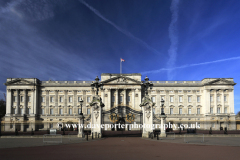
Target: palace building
(41, 105)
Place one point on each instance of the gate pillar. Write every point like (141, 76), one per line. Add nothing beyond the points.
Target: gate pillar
(96, 116)
(147, 106)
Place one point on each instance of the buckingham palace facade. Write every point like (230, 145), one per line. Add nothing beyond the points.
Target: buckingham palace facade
(39, 105)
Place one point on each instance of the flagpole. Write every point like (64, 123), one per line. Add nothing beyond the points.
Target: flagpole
(120, 65)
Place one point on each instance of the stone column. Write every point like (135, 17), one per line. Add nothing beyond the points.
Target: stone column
(65, 107)
(47, 102)
(17, 96)
(215, 101)
(9, 102)
(124, 97)
(75, 102)
(231, 101)
(103, 95)
(222, 101)
(25, 102)
(84, 102)
(163, 122)
(139, 97)
(206, 101)
(56, 102)
(32, 102)
(80, 127)
(158, 99)
(116, 103)
(109, 99)
(133, 98)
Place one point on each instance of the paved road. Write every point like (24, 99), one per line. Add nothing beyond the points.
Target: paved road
(122, 148)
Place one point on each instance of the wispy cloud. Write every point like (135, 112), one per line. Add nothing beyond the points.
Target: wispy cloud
(172, 52)
(127, 33)
(190, 65)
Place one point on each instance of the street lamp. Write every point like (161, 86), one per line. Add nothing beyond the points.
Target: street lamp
(162, 103)
(81, 102)
(96, 84)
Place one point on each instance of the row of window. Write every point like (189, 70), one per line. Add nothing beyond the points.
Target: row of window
(218, 110)
(61, 111)
(121, 99)
(70, 99)
(190, 99)
(180, 110)
(21, 99)
(180, 99)
(14, 111)
(218, 98)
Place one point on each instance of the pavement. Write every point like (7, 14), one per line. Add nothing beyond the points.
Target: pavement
(120, 148)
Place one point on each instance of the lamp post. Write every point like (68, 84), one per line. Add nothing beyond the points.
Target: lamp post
(81, 122)
(97, 84)
(81, 102)
(162, 103)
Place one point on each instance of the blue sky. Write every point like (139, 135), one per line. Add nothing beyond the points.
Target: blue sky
(78, 40)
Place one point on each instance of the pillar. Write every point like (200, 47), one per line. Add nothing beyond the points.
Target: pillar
(9, 102)
(116, 103)
(47, 103)
(133, 98)
(56, 102)
(25, 106)
(17, 104)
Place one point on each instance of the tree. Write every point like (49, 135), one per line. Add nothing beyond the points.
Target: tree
(2, 108)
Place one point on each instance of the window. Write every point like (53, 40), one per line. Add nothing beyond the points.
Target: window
(14, 99)
(79, 110)
(189, 111)
(51, 99)
(211, 98)
(88, 111)
(213, 125)
(198, 99)
(29, 110)
(88, 99)
(171, 110)
(121, 98)
(60, 111)
(50, 125)
(211, 110)
(21, 110)
(129, 99)
(70, 99)
(21, 98)
(180, 99)
(198, 110)
(51, 111)
(153, 99)
(225, 98)
(171, 99)
(11, 125)
(225, 110)
(70, 110)
(189, 99)
(43, 99)
(42, 110)
(113, 98)
(29, 98)
(60, 99)
(218, 98)
(14, 110)
(218, 110)
(153, 110)
(180, 110)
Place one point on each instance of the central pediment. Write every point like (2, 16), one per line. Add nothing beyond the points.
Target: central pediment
(19, 81)
(220, 81)
(121, 80)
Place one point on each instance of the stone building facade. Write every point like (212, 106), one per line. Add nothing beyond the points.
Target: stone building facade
(40, 105)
